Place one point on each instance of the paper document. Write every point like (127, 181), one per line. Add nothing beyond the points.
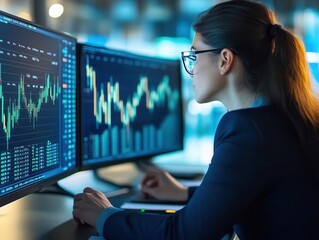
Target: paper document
(151, 206)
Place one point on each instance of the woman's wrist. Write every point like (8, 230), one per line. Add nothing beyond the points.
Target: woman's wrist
(183, 194)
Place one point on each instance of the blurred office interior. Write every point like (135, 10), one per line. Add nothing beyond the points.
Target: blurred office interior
(163, 28)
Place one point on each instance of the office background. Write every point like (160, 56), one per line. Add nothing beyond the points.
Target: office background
(163, 28)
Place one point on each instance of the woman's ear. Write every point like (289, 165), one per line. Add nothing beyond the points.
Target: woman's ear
(226, 61)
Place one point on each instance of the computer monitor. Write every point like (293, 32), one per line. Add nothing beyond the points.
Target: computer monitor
(37, 105)
(131, 106)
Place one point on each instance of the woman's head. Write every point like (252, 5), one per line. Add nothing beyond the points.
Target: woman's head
(274, 60)
(243, 27)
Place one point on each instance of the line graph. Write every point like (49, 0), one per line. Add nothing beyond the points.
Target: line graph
(103, 97)
(11, 107)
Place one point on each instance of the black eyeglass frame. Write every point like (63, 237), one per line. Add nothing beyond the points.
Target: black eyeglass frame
(194, 53)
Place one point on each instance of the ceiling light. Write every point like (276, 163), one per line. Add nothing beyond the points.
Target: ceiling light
(56, 10)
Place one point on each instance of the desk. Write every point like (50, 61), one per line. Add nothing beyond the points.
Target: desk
(45, 216)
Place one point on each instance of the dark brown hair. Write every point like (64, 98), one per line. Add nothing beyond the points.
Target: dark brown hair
(274, 61)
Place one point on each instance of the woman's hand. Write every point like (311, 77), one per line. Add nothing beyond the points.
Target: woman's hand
(88, 206)
(161, 185)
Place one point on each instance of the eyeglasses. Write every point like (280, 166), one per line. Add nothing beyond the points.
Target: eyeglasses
(190, 57)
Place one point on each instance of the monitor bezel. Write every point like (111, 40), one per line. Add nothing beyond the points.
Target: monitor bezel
(38, 186)
(142, 158)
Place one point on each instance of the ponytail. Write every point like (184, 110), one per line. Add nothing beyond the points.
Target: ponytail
(289, 87)
(290, 75)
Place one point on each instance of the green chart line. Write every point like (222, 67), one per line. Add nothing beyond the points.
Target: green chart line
(103, 100)
(10, 118)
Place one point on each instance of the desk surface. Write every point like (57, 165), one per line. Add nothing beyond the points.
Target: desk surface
(45, 216)
(41, 216)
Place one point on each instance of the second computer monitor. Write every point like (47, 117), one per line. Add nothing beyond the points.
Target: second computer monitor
(131, 106)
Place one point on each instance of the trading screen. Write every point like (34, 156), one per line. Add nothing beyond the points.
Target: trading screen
(131, 105)
(37, 104)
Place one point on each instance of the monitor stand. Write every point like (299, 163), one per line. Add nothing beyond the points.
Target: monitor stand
(77, 182)
(127, 174)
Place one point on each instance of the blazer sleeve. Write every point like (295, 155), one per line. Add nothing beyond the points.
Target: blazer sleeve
(235, 179)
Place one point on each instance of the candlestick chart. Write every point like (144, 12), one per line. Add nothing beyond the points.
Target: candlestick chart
(130, 106)
(21, 100)
(30, 105)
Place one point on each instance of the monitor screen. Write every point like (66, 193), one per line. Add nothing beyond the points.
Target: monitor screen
(131, 106)
(37, 105)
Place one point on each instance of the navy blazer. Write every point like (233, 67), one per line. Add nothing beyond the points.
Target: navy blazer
(257, 184)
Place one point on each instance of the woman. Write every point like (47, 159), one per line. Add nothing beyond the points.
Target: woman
(263, 180)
